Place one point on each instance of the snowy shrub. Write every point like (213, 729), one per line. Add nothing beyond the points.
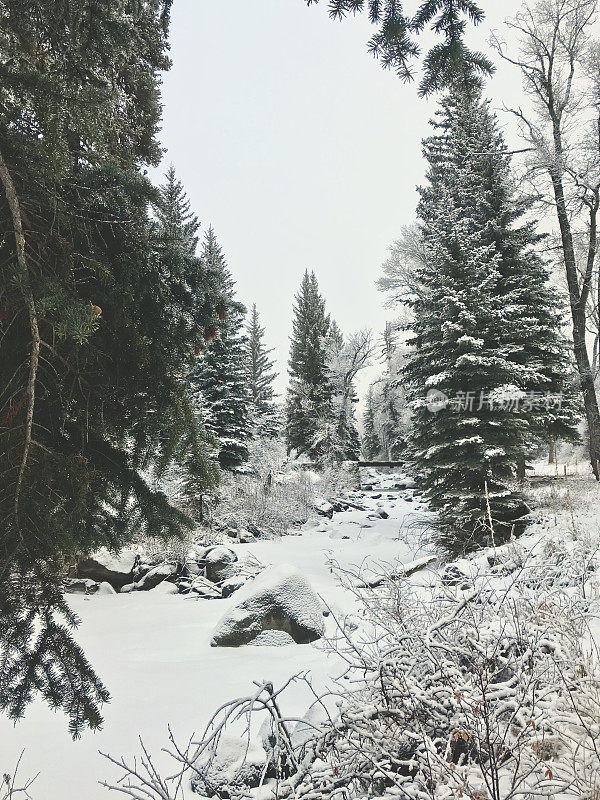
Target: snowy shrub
(269, 495)
(483, 691)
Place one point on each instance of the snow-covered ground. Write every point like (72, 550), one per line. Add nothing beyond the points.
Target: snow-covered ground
(152, 649)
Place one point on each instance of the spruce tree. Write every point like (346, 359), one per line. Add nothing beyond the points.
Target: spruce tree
(175, 235)
(261, 376)
(220, 379)
(97, 329)
(371, 441)
(309, 392)
(486, 324)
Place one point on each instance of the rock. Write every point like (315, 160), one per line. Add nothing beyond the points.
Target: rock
(166, 587)
(114, 568)
(407, 483)
(254, 530)
(231, 585)
(81, 586)
(191, 568)
(105, 588)
(280, 598)
(155, 576)
(452, 576)
(324, 509)
(199, 586)
(219, 561)
(237, 765)
(246, 537)
(384, 515)
(140, 570)
(272, 639)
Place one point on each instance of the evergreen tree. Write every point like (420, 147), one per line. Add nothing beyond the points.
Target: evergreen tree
(175, 241)
(309, 392)
(261, 377)
(220, 378)
(97, 330)
(486, 325)
(371, 442)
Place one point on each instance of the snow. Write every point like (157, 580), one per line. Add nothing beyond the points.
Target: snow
(152, 650)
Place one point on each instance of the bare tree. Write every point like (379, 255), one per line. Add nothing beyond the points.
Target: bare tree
(344, 359)
(563, 136)
(406, 255)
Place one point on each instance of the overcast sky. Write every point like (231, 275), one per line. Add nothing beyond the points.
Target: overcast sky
(299, 149)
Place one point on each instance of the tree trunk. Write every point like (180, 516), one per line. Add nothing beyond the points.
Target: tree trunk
(578, 299)
(552, 451)
(34, 354)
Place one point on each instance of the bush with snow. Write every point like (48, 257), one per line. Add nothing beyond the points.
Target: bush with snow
(484, 692)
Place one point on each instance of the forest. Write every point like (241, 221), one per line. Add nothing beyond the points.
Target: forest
(371, 570)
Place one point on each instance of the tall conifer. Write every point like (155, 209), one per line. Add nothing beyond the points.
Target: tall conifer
(486, 326)
(309, 392)
(220, 378)
(261, 376)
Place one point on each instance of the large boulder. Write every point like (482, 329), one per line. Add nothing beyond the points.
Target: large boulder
(114, 568)
(219, 563)
(236, 765)
(155, 576)
(81, 586)
(280, 599)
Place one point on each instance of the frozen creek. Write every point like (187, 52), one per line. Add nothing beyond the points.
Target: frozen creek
(152, 650)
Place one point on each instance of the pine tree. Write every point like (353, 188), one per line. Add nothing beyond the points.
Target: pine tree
(220, 378)
(175, 241)
(486, 323)
(371, 441)
(309, 392)
(265, 418)
(97, 329)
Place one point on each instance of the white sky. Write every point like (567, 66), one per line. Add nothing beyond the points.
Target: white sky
(299, 149)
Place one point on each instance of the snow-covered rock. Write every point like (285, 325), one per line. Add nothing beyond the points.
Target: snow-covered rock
(155, 576)
(280, 598)
(237, 764)
(114, 568)
(219, 561)
(324, 508)
(105, 588)
(81, 586)
(231, 585)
